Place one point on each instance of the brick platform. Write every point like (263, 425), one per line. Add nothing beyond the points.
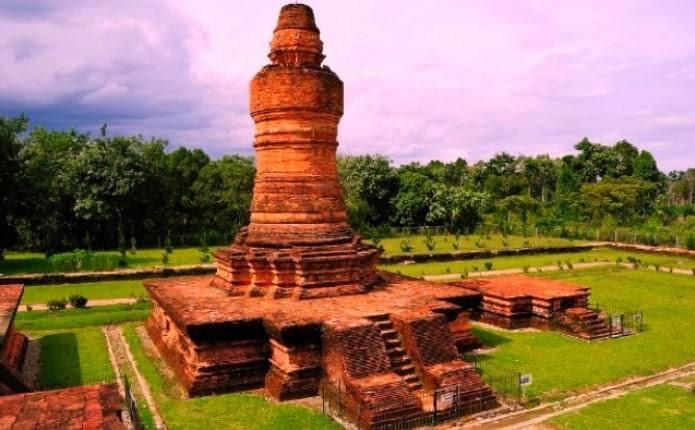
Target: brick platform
(522, 301)
(12, 343)
(79, 408)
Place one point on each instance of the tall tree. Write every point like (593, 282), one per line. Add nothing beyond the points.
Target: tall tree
(10, 166)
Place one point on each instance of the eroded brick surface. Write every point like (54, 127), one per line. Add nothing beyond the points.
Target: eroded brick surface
(79, 408)
(12, 343)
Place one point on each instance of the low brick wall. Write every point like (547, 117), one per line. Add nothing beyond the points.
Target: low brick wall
(483, 253)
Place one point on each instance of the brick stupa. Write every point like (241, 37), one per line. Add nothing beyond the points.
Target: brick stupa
(297, 301)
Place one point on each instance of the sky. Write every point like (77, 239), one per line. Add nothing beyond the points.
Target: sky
(423, 80)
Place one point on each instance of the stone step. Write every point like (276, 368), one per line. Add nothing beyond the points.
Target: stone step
(379, 317)
(392, 342)
(389, 334)
(405, 369)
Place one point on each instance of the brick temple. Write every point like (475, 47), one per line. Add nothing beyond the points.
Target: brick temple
(514, 302)
(297, 301)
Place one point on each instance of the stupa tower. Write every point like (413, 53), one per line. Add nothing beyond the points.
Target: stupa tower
(298, 243)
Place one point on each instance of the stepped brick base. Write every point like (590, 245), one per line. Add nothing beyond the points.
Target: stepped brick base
(514, 302)
(219, 342)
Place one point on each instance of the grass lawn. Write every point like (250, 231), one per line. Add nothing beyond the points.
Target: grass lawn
(78, 318)
(36, 294)
(600, 254)
(470, 242)
(561, 364)
(229, 411)
(73, 357)
(27, 262)
(658, 407)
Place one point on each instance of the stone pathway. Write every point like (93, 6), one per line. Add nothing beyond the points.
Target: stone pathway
(534, 418)
(123, 362)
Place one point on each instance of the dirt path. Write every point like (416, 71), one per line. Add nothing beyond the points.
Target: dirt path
(123, 362)
(533, 418)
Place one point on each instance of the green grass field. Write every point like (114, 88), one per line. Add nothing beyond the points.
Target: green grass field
(80, 318)
(599, 254)
(659, 407)
(562, 364)
(73, 357)
(25, 262)
(36, 294)
(469, 243)
(230, 411)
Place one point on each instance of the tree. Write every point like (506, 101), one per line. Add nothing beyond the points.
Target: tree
(369, 184)
(412, 203)
(521, 206)
(626, 200)
(10, 167)
(456, 208)
(541, 175)
(223, 192)
(644, 167)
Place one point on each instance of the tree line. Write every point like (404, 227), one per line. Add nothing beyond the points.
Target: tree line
(64, 189)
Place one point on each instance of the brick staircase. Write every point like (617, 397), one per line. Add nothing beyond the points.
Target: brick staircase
(586, 324)
(401, 364)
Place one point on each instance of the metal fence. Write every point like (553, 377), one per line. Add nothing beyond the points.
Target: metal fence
(132, 407)
(437, 406)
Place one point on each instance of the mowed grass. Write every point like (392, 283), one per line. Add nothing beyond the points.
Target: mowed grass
(229, 411)
(469, 243)
(73, 357)
(80, 318)
(516, 262)
(36, 294)
(561, 364)
(16, 263)
(659, 407)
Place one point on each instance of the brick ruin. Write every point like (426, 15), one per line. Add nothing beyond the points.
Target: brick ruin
(13, 345)
(297, 301)
(514, 302)
(95, 407)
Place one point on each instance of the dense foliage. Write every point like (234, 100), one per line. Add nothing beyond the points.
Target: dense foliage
(62, 190)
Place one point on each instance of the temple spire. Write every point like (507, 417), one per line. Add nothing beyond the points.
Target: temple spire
(296, 39)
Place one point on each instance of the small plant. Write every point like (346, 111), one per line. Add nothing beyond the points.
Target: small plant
(56, 305)
(455, 245)
(619, 261)
(447, 270)
(165, 258)
(133, 246)
(203, 249)
(167, 243)
(559, 265)
(527, 243)
(525, 268)
(475, 269)
(488, 265)
(539, 270)
(657, 267)
(505, 243)
(429, 241)
(122, 262)
(405, 246)
(670, 269)
(464, 275)
(690, 242)
(581, 260)
(693, 270)
(479, 244)
(29, 308)
(569, 265)
(77, 301)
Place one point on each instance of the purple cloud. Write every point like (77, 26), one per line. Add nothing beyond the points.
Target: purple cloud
(441, 79)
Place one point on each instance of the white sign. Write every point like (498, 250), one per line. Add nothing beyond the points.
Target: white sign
(525, 379)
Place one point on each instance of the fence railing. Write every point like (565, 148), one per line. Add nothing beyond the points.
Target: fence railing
(131, 406)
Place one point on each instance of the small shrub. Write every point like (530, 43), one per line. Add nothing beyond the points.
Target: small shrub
(488, 265)
(657, 267)
(569, 265)
(525, 269)
(455, 245)
(505, 243)
(430, 243)
(527, 243)
(140, 298)
(77, 301)
(29, 308)
(447, 270)
(690, 242)
(670, 269)
(133, 246)
(539, 270)
(56, 305)
(165, 258)
(559, 265)
(479, 244)
(464, 275)
(476, 269)
(618, 260)
(167, 243)
(581, 260)
(693, 270)
(405, 246)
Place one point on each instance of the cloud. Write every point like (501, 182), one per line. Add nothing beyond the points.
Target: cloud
(439, 80)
